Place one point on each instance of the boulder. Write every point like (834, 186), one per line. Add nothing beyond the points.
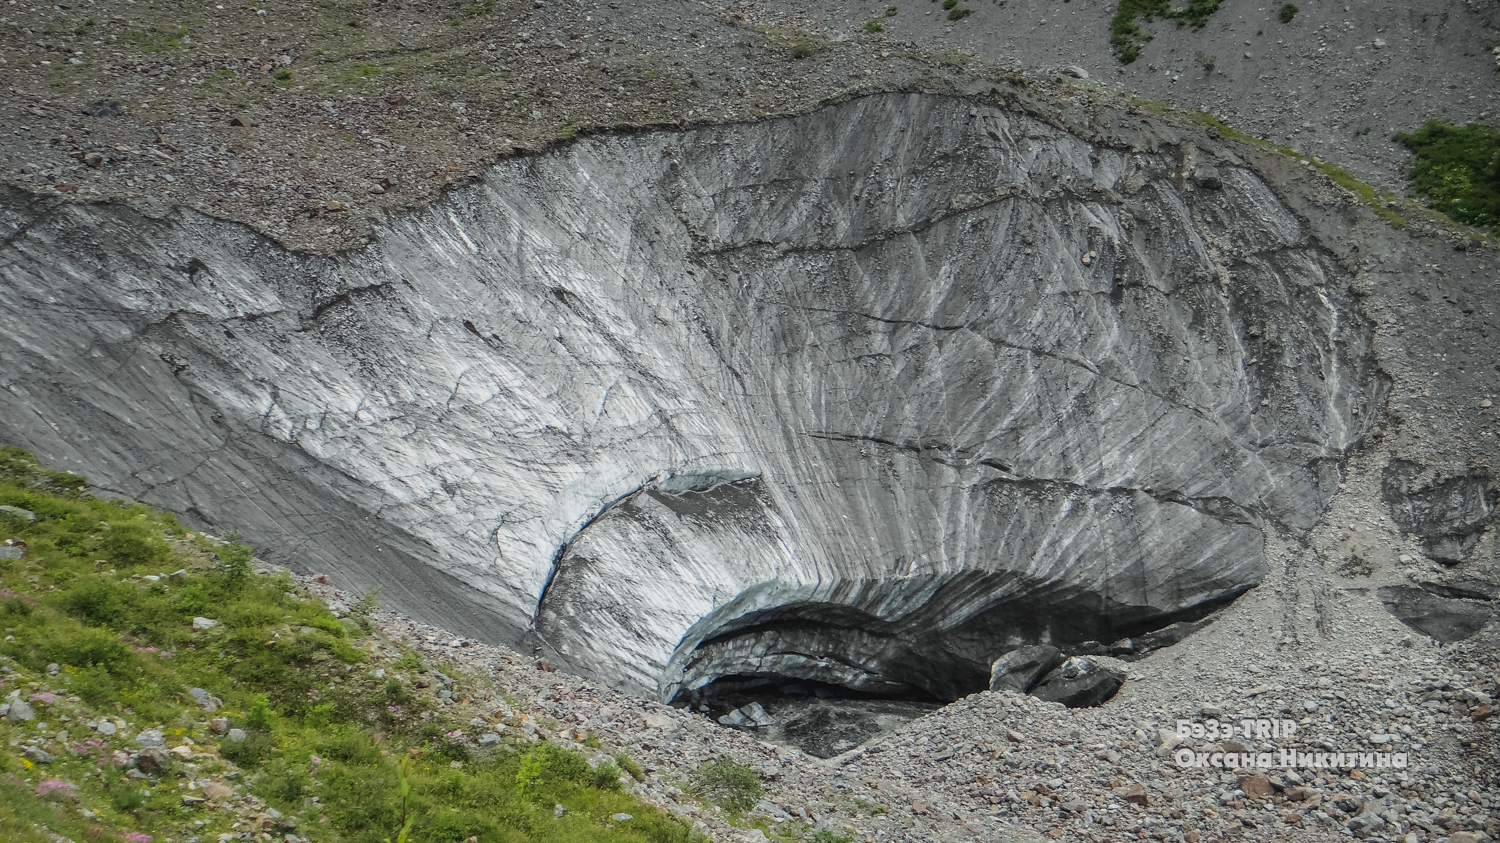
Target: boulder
(153, 761)
(1080, 682)
(1447, 514)
(1444, 619)
(1021, 668)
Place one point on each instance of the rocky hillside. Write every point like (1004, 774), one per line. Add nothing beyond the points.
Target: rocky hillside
(793, 390)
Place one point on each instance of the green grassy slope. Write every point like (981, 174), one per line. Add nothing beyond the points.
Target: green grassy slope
(99, 646)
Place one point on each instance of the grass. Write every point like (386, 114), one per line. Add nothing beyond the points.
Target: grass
(157, 40)
(1457, 168)
(1367, 194)
(107, 592)
(1128, 38)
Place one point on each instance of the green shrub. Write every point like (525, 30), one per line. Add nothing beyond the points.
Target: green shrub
(235, 565)
(630, 767)
(90, 648)
(255, 748)
(95, 686)
(607, 776)
(350, 747)
(804, 47)
(126, 798)
(1126, 35)
(547, 767)
(874, 26)
(130, 545)
(1288, 11)
(728, 784)
(1458, 169)
(285, 783)
(259, 716)
(99, 602)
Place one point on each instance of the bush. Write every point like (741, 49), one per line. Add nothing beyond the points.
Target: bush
(350, 747)
(260, 715)
(728, 784)
(630, 767)
(127, 798)
(95, 686)
(234, 561)
(1126, 35)
(98, 602)
(1458, 169)
(1288, 11)
(130, 545)
(546, 768)
(607, 776)
(255, 748)
(285, 783)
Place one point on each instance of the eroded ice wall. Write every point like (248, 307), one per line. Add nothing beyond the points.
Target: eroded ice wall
(866, 396)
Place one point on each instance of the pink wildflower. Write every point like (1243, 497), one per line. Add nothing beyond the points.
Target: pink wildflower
(50, 785)
(137, 837)
(44, 697)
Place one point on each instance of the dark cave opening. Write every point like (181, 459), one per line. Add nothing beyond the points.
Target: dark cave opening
(820, 718)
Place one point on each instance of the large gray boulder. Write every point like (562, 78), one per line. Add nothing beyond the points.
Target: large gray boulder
(1080, 682)
(864, 396)
(1021, 668)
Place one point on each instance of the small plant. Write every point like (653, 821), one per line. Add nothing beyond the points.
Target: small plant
(803, 47)
(1288, 11)
(567, 133)
(260, 715)
(950, 4)
(959, 14)
(607, 776)
(234, 559)
(728, 784)
(874, 26)
(408, 816)
(630, 767)
(365, 608)
(126, 798)
(1207, 62)
(411, 661)
(890, 11)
